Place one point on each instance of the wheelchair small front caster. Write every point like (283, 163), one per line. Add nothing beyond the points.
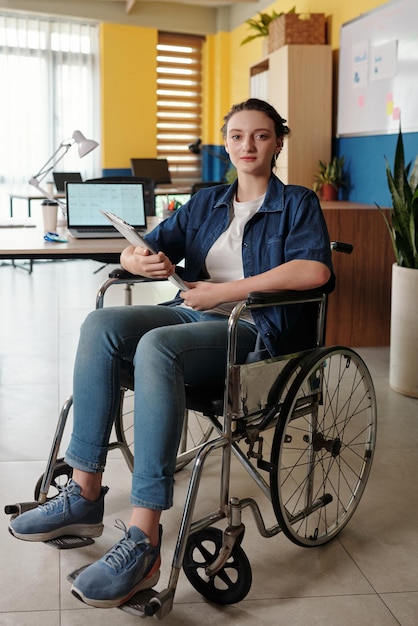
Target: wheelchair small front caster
(231, 583)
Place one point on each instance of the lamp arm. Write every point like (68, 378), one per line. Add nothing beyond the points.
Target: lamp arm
(52, 161)
(35, 183)
(84, 147)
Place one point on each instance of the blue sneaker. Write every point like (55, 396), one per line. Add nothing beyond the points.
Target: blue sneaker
(132, 565)
(66, 514)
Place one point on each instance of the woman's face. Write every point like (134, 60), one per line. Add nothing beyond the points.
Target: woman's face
(251, 142)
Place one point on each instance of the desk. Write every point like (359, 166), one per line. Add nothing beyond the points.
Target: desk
(359, 308)
(169, 190)
(28, 243)
(29, 196)
(163, 195)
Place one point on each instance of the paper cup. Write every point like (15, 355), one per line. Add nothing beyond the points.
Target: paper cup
(50, 216)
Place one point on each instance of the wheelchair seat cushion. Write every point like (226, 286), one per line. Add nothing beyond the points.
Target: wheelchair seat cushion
(206, 399)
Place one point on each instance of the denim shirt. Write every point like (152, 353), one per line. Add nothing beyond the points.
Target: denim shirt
(289, 225)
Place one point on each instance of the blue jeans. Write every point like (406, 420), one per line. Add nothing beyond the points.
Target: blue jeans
(168, 347)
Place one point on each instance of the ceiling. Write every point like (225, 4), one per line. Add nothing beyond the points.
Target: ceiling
(202, 17)
(129, 4)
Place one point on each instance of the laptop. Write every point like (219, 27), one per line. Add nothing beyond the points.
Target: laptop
(85, 201)
(156, 169)
(60, 178)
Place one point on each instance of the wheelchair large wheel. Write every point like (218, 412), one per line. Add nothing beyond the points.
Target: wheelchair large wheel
(323, 446)
(196, 431)
(232, 583)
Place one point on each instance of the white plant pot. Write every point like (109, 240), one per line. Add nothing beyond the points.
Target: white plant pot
(403, 374)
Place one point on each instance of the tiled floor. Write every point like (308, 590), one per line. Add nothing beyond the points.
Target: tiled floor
(367, 576)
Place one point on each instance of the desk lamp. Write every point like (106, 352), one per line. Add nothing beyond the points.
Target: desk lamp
(84, 147)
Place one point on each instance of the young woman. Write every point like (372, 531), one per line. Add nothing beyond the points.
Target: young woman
(255, 235)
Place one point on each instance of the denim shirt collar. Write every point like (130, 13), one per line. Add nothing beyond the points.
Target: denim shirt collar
(273, 202)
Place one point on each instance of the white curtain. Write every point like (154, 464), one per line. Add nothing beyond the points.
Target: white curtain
(49, 87)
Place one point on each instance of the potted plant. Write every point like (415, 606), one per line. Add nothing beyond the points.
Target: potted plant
(403, 229)
(330, 178)
(261, 24)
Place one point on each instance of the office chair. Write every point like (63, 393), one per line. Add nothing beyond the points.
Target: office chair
(204, 185)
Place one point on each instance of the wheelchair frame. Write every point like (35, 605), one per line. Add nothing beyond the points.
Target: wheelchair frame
(320, 405)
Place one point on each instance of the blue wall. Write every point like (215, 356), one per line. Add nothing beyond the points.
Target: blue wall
(366, 168)
(215, 162)
(117, 172)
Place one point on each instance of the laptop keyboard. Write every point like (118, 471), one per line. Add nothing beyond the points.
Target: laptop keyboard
(95, 229)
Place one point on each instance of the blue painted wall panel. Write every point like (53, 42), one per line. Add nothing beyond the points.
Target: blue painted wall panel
(116, 172)
(366, 168)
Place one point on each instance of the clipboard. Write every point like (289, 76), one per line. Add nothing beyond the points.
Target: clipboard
(131, 235)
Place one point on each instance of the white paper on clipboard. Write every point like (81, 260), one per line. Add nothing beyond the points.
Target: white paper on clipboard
(131, 235)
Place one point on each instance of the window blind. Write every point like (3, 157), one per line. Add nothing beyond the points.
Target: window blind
(179, 104)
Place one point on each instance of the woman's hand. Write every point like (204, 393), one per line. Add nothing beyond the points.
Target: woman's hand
(203, 296)
(144, 263)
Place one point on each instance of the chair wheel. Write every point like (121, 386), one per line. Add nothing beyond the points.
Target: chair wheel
(232, 583)
(60, 478)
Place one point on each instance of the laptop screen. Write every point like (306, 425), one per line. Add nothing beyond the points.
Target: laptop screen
(86, 200)
(156, 169)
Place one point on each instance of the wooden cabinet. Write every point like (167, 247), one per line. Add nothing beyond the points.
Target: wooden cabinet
(359, 308)
(297, 81)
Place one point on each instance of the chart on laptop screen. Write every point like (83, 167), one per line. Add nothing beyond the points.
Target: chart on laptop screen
(86, 200)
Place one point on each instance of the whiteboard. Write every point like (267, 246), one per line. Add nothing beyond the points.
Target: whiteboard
(378, 71)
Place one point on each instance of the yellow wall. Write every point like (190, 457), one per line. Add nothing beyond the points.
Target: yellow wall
(129, 100)
(128, 74)
(216, 81)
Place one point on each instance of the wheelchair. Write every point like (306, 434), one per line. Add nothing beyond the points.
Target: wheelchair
(302, 425)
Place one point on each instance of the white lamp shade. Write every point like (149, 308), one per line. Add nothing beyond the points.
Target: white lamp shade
(84, 145)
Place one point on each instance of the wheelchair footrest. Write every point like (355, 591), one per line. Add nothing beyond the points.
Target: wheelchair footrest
(149, 603)
(20, 507)
(145, 603)
(67, 542)
(71, 577)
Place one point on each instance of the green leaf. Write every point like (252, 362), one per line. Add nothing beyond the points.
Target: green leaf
(261, 24)
(391, 233)
(403, 223)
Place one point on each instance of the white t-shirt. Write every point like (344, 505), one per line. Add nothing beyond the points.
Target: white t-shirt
(224, 259)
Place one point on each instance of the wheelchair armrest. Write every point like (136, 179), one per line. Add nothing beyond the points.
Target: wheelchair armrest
(273, 298)
(340, 246)
(122, 274)
(119, 276)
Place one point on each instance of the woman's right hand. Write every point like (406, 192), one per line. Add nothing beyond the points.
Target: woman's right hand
(143, 262)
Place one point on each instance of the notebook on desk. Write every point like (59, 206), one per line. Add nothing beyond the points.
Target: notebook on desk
(85, 201)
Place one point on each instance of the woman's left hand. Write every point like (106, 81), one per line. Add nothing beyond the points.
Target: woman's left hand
(203, 296)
